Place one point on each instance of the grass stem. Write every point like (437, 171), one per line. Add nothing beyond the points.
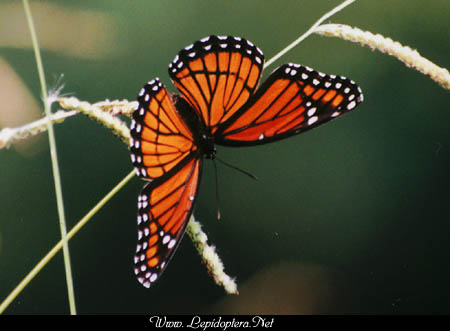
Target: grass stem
(54, 158)
(307, 33)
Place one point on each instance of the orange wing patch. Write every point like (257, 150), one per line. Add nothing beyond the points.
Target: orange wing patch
(292, 100)
(164, 208)
(159, 137)
(217, 76)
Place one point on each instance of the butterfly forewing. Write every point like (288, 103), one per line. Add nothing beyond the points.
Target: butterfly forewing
(292, 100)
(160, 139)
(164, 208)
(216, 76)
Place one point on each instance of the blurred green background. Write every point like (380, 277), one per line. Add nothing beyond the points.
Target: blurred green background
(350, 218)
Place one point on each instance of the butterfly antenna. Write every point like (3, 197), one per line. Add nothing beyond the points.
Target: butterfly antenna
(217, 190)
(236, 168)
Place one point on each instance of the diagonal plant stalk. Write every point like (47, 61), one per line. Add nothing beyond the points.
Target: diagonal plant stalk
(411, 58)
(54, 158)
(307, 33)
(95, 112)
(210, 257)
(78, 226)
(9, 136)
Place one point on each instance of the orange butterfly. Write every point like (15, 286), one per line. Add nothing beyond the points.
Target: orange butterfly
(219, 103)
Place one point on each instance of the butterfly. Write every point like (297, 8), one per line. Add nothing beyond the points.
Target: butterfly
(219, 102)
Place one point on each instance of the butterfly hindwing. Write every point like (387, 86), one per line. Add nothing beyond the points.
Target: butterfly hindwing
(164, 208)
(216, 76)
(160, 139)
(292, 100)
